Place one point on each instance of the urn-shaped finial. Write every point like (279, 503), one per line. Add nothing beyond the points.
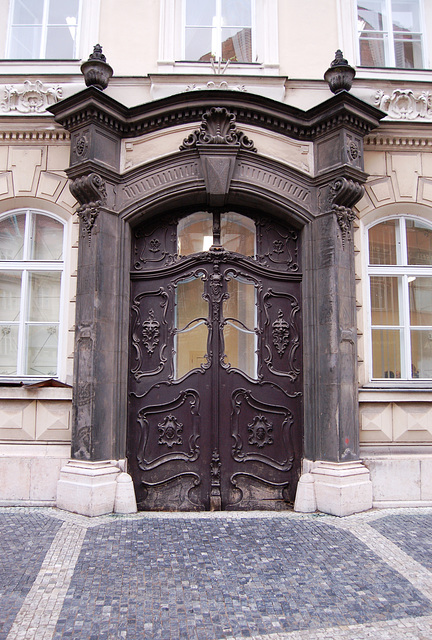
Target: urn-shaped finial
(340, 74)
(96, 70)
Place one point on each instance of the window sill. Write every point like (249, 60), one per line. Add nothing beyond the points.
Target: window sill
(35, 67)
(395, 393)
(206, 68)
(391, 73)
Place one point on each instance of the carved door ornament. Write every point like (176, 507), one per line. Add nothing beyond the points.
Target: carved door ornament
(215, 369)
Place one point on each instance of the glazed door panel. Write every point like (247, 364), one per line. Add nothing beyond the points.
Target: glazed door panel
(215, 383)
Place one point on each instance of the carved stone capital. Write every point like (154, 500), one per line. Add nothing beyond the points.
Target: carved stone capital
(218, 126)
(90, 191)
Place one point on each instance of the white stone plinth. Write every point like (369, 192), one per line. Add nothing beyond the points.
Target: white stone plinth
(342, 488)
(125, 501)
(305, 501)
(87, 488)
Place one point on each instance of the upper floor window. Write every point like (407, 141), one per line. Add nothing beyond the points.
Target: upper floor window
(400, 276)
(31, 270)
(390, 33)
(220, 29)
(44, 29)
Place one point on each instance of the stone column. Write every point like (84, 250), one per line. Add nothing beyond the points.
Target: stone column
(88, 482)
(342, 483)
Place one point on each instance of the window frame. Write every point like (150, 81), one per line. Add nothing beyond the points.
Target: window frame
(404, 271)
(389, 40)
(171, 40)
(26, 266)
(217, 29)
(44, 27)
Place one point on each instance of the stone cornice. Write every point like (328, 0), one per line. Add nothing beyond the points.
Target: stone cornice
(400, 136)
(93, 106)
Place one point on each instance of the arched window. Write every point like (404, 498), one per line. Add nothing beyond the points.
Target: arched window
(400, 280)
(31, 270)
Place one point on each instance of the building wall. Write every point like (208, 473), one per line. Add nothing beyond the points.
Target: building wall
(396, 424)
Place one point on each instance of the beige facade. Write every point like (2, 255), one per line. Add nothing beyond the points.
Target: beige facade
(294, 44)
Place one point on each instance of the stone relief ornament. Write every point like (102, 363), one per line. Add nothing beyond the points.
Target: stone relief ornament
(90, 191)
(218, 126)
(30, 97)
(403, 104)
(345, 217)
(223, 85)
(343, 194)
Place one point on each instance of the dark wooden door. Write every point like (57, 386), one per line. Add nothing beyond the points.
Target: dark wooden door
(215, 370)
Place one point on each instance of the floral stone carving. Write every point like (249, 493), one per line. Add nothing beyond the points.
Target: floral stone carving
(403, 104)
(260, 430)
(31, 97)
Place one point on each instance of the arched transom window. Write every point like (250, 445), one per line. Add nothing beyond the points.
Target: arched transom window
(31, 269)
(400, 278)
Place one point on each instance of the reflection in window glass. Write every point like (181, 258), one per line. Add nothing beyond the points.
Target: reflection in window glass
(238, 233)
(31, 247)
(10, 296)
(12, 237)
(44, 29)
(195, 233)
(390, 33)
(384, 300)
(400, 259)
(419, 242)
(386, 353)
(191, 334)
(220, 29)
(382, 243)
(240, 337)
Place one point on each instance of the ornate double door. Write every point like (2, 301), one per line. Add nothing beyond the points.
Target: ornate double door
(215, 402)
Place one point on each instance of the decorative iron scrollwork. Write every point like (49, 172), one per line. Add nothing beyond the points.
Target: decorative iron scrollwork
(218, 126)
(150, 332)
(280, 333)
(170, 430)
(260, 430)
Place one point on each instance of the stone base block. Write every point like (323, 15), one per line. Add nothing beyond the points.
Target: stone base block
(305, 501)
(87, 488)
(342, 488)
(125, 501)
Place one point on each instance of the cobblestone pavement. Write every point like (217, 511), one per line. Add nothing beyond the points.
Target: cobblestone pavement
(224, 576)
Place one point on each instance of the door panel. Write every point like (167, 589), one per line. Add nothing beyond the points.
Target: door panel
(215, 403)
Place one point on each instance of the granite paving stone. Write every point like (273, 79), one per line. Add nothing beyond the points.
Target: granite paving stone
(260, 576)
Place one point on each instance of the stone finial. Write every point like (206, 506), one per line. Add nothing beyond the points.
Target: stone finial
(340, 74)
(96, 71)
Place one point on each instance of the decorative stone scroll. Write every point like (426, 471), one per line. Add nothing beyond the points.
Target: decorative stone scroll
(403, 104)
(30, 97)
(343, 195)
(218, 126)
(90, 191)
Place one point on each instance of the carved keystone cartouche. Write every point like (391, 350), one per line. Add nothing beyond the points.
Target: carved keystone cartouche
(218, 126)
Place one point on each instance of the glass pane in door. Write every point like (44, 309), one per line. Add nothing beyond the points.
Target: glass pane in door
(191, 332)
(239, 332)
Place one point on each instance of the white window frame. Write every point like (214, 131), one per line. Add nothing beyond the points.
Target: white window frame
(404, 272)
(25, 266)
(44, 26)
(388, 37)
(265, 38)
(217, 32)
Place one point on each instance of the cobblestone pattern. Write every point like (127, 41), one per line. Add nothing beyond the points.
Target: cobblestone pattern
(412, 533)
(218, 576)
(208, 579)
(24, 540)
(40, 610)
